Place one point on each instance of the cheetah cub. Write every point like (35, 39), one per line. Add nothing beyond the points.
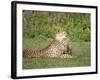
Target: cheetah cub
(58, 48)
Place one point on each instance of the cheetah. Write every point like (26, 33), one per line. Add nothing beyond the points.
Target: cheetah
(58, 48)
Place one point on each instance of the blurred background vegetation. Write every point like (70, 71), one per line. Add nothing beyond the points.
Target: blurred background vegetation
(43, 25)
(39, 27)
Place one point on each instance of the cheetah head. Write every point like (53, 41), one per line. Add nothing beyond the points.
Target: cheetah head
(61, 36)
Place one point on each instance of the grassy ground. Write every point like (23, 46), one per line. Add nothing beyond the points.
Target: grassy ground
(81, 49)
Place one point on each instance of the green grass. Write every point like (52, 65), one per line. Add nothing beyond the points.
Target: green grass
(35, 42)
(81, 49)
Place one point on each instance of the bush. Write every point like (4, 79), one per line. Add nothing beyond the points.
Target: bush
(46, 24)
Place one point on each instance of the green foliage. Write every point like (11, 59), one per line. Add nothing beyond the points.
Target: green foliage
(39, 28)
(46, 24)
(80, 49)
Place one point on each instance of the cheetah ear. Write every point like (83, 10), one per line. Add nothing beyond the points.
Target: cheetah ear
(68, 32)
(59, 30)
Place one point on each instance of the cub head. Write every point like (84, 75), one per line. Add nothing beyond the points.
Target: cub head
(61, 36)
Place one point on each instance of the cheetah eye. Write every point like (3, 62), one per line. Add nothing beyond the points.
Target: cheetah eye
(64, 33)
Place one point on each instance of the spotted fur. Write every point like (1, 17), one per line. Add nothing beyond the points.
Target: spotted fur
(58, 48)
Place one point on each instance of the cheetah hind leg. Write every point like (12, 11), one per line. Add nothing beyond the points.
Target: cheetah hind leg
(67, 56)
